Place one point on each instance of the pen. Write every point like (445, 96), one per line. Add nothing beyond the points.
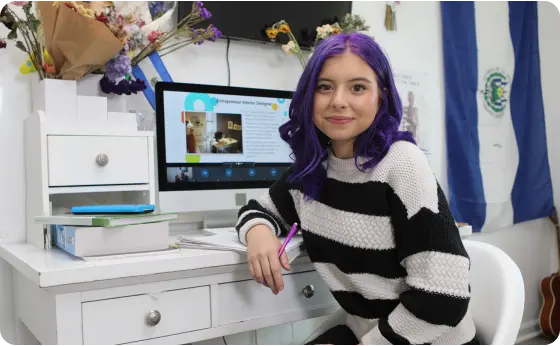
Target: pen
(286, 241)
(288, 238)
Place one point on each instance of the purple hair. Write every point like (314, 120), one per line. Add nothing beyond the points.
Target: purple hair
(309, 145)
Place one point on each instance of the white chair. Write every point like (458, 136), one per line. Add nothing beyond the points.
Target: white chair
(497, 296)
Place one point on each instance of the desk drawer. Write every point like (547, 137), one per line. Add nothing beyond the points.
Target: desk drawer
(79, 160)
(253, 300)
(127, 319)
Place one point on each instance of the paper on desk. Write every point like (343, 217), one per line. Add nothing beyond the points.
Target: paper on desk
(229, 241)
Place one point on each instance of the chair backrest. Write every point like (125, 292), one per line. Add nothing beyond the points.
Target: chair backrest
(497, 294)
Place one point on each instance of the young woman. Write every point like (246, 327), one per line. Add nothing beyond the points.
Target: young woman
(374, 220)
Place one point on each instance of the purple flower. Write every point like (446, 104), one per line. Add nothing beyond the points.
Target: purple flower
(216, 33)
(125, 86)
(205, 14)
(118, 67)
(3, 44)
(199, 4)
(157, 8)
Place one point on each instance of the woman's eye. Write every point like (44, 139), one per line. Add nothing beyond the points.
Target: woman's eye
(324, 87)
(358, 88)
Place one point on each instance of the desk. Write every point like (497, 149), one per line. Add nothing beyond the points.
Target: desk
(176, 297)
(179, 297)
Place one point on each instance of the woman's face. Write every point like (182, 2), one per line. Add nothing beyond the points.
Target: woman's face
(346, 98)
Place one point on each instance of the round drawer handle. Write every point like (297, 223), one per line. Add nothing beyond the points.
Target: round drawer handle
(102, 160)
(308, 291)
(153, 318)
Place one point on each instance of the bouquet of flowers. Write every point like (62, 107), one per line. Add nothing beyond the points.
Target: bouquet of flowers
(350, 23)
(69, 39)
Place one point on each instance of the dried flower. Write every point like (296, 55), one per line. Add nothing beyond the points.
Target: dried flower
(157, 9)
(154, 35)
(20, 3)
(118, 67)
(125, 86)
(350, 23)
(284, 28)
(272, 33)
(288, 48)
(215, 33)
(3, 44)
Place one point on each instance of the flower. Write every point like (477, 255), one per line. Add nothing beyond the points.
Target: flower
(20, 3)
(216, 33)
(284, 28)
(205, 14)
(118, 67)
(154, 35)
(271, 33)
(157, 9)
(125, 86)
(289, 47)
(3, 44)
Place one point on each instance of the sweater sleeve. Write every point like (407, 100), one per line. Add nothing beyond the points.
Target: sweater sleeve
(276, 209)
(429, 247)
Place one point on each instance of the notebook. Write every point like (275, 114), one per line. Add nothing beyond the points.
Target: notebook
(113, 220)
(229, 241)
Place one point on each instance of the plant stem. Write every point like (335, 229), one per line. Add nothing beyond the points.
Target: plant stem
(177, 48)
(31, 49)
(174, 44)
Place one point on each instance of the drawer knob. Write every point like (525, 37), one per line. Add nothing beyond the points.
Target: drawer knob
(153, 318)
(308, 291)
(102, 160)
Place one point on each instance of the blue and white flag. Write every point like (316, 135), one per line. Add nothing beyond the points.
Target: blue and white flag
(497, 158)
(151, 70)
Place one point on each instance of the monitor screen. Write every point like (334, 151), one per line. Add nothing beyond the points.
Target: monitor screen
(215, 137)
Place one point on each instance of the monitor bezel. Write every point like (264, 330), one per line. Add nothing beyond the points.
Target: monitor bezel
(160, 88)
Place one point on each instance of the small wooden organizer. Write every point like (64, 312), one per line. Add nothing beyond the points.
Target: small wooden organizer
(83, 156)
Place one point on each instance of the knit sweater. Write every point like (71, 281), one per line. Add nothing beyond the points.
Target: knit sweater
(385, 243)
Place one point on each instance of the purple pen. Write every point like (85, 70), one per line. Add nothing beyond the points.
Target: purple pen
(286, 241)
(288, 238)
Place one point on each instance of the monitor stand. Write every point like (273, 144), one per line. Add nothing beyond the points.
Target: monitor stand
(220, 218)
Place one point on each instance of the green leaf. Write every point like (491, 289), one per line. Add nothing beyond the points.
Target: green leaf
(21, 46)
(34, 24)
(12, 35)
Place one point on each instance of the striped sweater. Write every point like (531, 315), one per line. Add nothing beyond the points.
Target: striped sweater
(385, 243)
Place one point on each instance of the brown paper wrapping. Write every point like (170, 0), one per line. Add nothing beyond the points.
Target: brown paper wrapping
(77, 44)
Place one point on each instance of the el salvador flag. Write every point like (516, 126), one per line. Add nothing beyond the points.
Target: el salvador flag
(497, 158)
(151, 70)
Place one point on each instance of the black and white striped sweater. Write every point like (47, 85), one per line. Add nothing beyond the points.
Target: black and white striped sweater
(385, 243)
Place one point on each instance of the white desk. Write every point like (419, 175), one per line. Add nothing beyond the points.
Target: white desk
(198, 294)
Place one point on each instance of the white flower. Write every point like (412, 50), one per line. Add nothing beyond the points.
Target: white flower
(289, 47)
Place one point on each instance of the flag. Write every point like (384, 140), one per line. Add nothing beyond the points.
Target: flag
(498, 166)
(151, 70)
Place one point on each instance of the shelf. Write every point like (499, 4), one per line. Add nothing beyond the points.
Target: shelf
(100, 188)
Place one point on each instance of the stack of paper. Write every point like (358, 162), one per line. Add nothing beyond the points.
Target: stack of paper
(229, 241)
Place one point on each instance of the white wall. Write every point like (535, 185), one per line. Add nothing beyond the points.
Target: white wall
(530, 244)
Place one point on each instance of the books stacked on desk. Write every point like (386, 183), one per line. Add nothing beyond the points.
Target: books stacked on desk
(97, 235)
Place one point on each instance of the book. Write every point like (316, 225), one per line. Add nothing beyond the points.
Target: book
(229, 241)
(112, 220)
(97, 241)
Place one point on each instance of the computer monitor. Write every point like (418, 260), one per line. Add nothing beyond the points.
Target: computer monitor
(218, 146)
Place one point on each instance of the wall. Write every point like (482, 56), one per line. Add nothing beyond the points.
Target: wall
(530, 244)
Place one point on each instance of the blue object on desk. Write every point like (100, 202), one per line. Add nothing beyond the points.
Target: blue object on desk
(114, 209)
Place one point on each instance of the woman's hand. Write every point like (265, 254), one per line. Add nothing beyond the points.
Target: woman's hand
(262, 255)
